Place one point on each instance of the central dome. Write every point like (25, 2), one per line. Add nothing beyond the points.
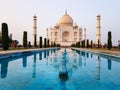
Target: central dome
(66, 20)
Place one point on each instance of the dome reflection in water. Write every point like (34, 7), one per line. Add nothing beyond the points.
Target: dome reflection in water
(63, 74)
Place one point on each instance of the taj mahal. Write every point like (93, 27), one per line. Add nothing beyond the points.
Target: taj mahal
(66, 32)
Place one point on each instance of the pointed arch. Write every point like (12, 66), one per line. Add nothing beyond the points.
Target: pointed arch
(65, 36)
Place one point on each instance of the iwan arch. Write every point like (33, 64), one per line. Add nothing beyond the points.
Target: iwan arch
(65, 32)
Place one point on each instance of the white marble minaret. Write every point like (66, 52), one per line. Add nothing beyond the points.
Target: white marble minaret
(34, 30)
(47, 33)
(85, 34)
(98, 27)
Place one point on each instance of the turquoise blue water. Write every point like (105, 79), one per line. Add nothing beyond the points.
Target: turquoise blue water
(42, 71)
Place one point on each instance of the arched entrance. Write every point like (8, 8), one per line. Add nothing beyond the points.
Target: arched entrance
(65, 36)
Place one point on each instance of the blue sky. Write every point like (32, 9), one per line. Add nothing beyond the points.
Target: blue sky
(18, 14)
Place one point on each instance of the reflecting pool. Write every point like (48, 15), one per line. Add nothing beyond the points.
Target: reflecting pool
(60, 70)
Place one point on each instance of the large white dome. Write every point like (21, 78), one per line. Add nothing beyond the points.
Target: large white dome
(66, 20)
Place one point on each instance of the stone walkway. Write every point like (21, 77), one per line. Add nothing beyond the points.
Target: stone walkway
(109, 52)
(106, 52)
(24, 50)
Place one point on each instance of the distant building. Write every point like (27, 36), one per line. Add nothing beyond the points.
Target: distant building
(65, 32)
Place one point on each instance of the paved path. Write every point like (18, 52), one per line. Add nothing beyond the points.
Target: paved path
(24, 50)
(107, 52)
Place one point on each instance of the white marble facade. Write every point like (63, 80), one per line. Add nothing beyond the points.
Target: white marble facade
(65, 32)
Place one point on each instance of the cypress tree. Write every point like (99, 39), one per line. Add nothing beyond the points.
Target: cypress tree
(40, 42)
(91, 43)
(25, 39)
(0, 39)
(109, 44)
(48, 43)
(83, 43)
(35, 41)
(5, 37)
(44, 42)
(78, 44)
(98, 43)
(87, 44)
(54, 44)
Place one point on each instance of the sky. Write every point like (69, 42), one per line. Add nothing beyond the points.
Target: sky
(18, 14)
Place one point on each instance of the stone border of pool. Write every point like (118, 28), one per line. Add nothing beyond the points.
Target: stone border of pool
(15, 53)
(115, 54)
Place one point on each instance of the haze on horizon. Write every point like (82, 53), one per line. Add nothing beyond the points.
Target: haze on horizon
(18, 14)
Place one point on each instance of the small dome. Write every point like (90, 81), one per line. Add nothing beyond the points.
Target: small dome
(66, 20)
(98, 15)
(56, 25)
(75, 26)
(34, 16)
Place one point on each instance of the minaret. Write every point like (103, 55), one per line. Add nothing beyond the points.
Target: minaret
(47, 33)
(85, 34)
(35, 30)
(98, 27)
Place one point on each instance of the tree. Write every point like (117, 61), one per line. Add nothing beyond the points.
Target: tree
(78, 44)
(109, 42)
(5, 37)
(40, 42)
(58, 45)
(73, 45)
(54, 44)
(15, 42)
(91, 44)
(48, 43)
(44, 42)
(83, 43)
(87, 44)
(35, 41)
(29, 44)
(25, 39)
(98, 43)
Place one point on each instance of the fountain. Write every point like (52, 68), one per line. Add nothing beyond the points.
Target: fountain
(63, 74)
